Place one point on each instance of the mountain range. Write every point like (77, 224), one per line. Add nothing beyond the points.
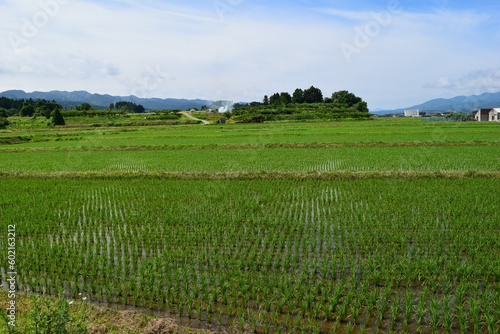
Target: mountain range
(465, 104)
(70, 99)
(98, 101)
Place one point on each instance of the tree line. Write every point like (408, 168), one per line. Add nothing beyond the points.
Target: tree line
(303, 104)
(310, 95)
(128, 107)
(30, 108)
(27, 108)
(55, 111)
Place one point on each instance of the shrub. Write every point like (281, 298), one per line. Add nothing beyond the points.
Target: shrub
(57, 118)
(53, 316)
(3, 122)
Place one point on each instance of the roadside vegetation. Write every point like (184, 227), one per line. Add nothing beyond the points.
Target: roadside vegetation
(62, 315)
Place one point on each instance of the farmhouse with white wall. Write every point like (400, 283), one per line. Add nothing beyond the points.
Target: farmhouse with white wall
(495, 114)
(412, 113)
(488, 115)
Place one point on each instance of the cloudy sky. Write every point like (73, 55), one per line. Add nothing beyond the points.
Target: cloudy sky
(391, 53)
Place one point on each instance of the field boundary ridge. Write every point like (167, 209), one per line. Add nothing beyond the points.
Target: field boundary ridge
(248, 146)
(331, 175)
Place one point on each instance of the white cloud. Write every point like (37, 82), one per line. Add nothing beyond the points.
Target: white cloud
(33, 62)
(475, 82)
(444, 82)
(393, 67)
(166, 50)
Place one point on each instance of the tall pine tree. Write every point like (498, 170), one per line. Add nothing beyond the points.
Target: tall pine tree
(57, 117)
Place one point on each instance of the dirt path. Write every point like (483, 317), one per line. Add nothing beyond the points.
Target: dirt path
(196, 119)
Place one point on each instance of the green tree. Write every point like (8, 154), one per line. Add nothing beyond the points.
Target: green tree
(84, 107)
(27, 110)
(3, 122)
(139, 109)
(131, 107)
(43, 110)
(298, 96)
(313, 95)
(57, 117)
(275, 98)
(361, 106)
(285, 98)
(346, 98)
(11, 104)
(265, 101)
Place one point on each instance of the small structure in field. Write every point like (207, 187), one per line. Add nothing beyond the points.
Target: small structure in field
(488, 115)
(482, 115)
(412, 113)
(222, 121)
(494, 115)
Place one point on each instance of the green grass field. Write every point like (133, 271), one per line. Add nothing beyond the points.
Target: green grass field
(388, 225)
(412, 158)
(376, 131)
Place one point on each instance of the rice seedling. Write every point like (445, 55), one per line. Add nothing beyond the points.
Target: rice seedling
(286, 254)
(408, 310)
(434, 313)
(475, 314)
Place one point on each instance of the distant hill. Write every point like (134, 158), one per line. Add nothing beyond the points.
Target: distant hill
(464, 104)
(98, 101)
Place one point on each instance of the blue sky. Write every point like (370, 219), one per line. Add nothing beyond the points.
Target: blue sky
(391, 53)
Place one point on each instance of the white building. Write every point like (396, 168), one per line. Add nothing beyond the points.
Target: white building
(488, 115)
(412, 113)
(482, 115)
(494, 115)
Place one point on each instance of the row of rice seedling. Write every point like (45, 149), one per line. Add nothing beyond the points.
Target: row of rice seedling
(439, 158)
(284, 255)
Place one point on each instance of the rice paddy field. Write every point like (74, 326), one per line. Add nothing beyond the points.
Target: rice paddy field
(345, 227)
